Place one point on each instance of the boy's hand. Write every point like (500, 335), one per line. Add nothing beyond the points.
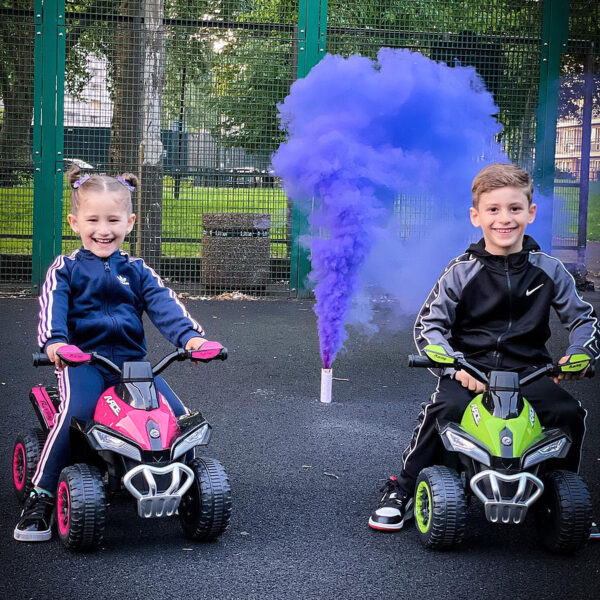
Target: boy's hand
(469, 382)
(55, 358)
(195, 343)
(568, 376)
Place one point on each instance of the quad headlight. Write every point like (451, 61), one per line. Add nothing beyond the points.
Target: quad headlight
(550, 450)
(465, 446)
(199, 437)
(106, 441)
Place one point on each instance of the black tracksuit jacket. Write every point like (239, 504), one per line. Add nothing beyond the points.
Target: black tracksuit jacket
(495, 310)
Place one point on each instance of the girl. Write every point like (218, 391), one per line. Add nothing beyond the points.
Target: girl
(95, 299)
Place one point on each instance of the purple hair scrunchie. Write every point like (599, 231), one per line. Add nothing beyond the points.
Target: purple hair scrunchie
(80, 181)
(126, 184)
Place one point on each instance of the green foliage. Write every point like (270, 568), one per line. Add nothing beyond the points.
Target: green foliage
(584, 37)
(252, 77)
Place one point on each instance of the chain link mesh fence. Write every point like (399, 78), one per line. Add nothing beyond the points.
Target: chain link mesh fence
(16, 165)
(184, 93)
(501, 41)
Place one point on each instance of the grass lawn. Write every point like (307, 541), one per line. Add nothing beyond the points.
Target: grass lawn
(182, 217)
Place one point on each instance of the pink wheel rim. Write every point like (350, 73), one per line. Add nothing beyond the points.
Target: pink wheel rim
(62, 508)
(19, 466)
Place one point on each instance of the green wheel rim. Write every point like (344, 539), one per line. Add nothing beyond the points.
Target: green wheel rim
(423, 507)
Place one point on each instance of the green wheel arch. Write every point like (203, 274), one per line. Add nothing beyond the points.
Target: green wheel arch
(440, 508)
(423, 506)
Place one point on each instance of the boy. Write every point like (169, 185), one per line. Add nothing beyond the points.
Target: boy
(492, 306)
(95, 299)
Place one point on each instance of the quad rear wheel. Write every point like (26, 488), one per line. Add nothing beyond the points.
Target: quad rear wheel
(80, 507)
(27, 450)
(564, 512)
(440, 508)
(205, 508)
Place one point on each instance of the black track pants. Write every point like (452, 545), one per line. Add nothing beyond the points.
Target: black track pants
(554, 406)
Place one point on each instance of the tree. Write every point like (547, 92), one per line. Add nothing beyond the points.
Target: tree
(584, 33)
(258, 68)
(251, 73)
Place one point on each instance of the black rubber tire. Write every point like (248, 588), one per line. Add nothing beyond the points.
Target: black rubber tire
(440, 500)
(27, 450)
(81, 516)
(205, 509)
(564, 512)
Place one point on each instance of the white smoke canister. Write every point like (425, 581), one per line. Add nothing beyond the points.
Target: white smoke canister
(326, 378)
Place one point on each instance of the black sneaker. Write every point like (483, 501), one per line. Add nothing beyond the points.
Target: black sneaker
(35, 524)
(395, 507)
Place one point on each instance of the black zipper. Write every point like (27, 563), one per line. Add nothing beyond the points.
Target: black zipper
(509, 287)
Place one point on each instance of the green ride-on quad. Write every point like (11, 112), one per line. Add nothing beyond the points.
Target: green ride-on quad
(505, 458)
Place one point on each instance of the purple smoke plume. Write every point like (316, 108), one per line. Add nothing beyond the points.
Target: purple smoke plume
(364, 138)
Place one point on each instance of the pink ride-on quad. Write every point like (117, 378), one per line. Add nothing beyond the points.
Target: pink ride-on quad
(134, 442)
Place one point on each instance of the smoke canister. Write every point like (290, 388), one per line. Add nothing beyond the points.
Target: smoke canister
(326, 378)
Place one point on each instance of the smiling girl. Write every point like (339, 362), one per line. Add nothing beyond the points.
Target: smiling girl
(95, 299)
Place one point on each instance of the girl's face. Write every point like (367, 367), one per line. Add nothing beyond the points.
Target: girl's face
(102, 222)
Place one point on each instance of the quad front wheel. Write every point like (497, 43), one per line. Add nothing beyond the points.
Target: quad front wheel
(27, 450)
(80, 507)
(205, 508)
(564, 512)
(440, 508)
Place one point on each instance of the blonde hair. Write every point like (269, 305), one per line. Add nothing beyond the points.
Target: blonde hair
(82, 183)
(499, 175)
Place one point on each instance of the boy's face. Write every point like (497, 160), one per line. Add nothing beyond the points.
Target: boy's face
(102, 223)
(503, 215)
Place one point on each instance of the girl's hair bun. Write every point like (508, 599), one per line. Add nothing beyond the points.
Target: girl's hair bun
(73, 174)
(130, 178)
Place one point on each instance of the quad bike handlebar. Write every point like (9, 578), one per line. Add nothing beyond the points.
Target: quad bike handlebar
(74, 357)
(551, 369)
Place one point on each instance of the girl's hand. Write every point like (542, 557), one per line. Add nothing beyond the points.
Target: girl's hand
(469, 382)
(55, 358)
(195, 343)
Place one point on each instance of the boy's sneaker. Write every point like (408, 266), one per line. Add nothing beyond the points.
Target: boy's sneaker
(35, 524)
(395, 507)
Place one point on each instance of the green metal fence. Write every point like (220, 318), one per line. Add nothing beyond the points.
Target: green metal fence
(184, 94)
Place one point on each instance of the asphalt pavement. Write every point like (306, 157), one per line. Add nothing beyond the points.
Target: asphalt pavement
(304, 475)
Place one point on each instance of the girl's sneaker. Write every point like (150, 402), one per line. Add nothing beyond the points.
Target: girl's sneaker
(395, 507)
(35, 524)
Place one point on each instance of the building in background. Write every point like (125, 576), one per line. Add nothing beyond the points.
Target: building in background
(568, 149)
(93, 106)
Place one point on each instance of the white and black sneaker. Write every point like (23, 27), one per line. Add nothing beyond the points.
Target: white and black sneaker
(35, 524)
(395, 507)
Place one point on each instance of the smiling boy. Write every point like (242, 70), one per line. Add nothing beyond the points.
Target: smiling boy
(492, 305)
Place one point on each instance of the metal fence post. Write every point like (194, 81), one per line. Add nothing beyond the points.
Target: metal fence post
(586, 139)
(312, 28)
(49, 60)
(555, 31)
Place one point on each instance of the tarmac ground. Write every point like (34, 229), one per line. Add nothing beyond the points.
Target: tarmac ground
(305, 477)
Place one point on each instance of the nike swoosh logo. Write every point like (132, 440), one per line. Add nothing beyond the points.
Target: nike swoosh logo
(529, 292)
